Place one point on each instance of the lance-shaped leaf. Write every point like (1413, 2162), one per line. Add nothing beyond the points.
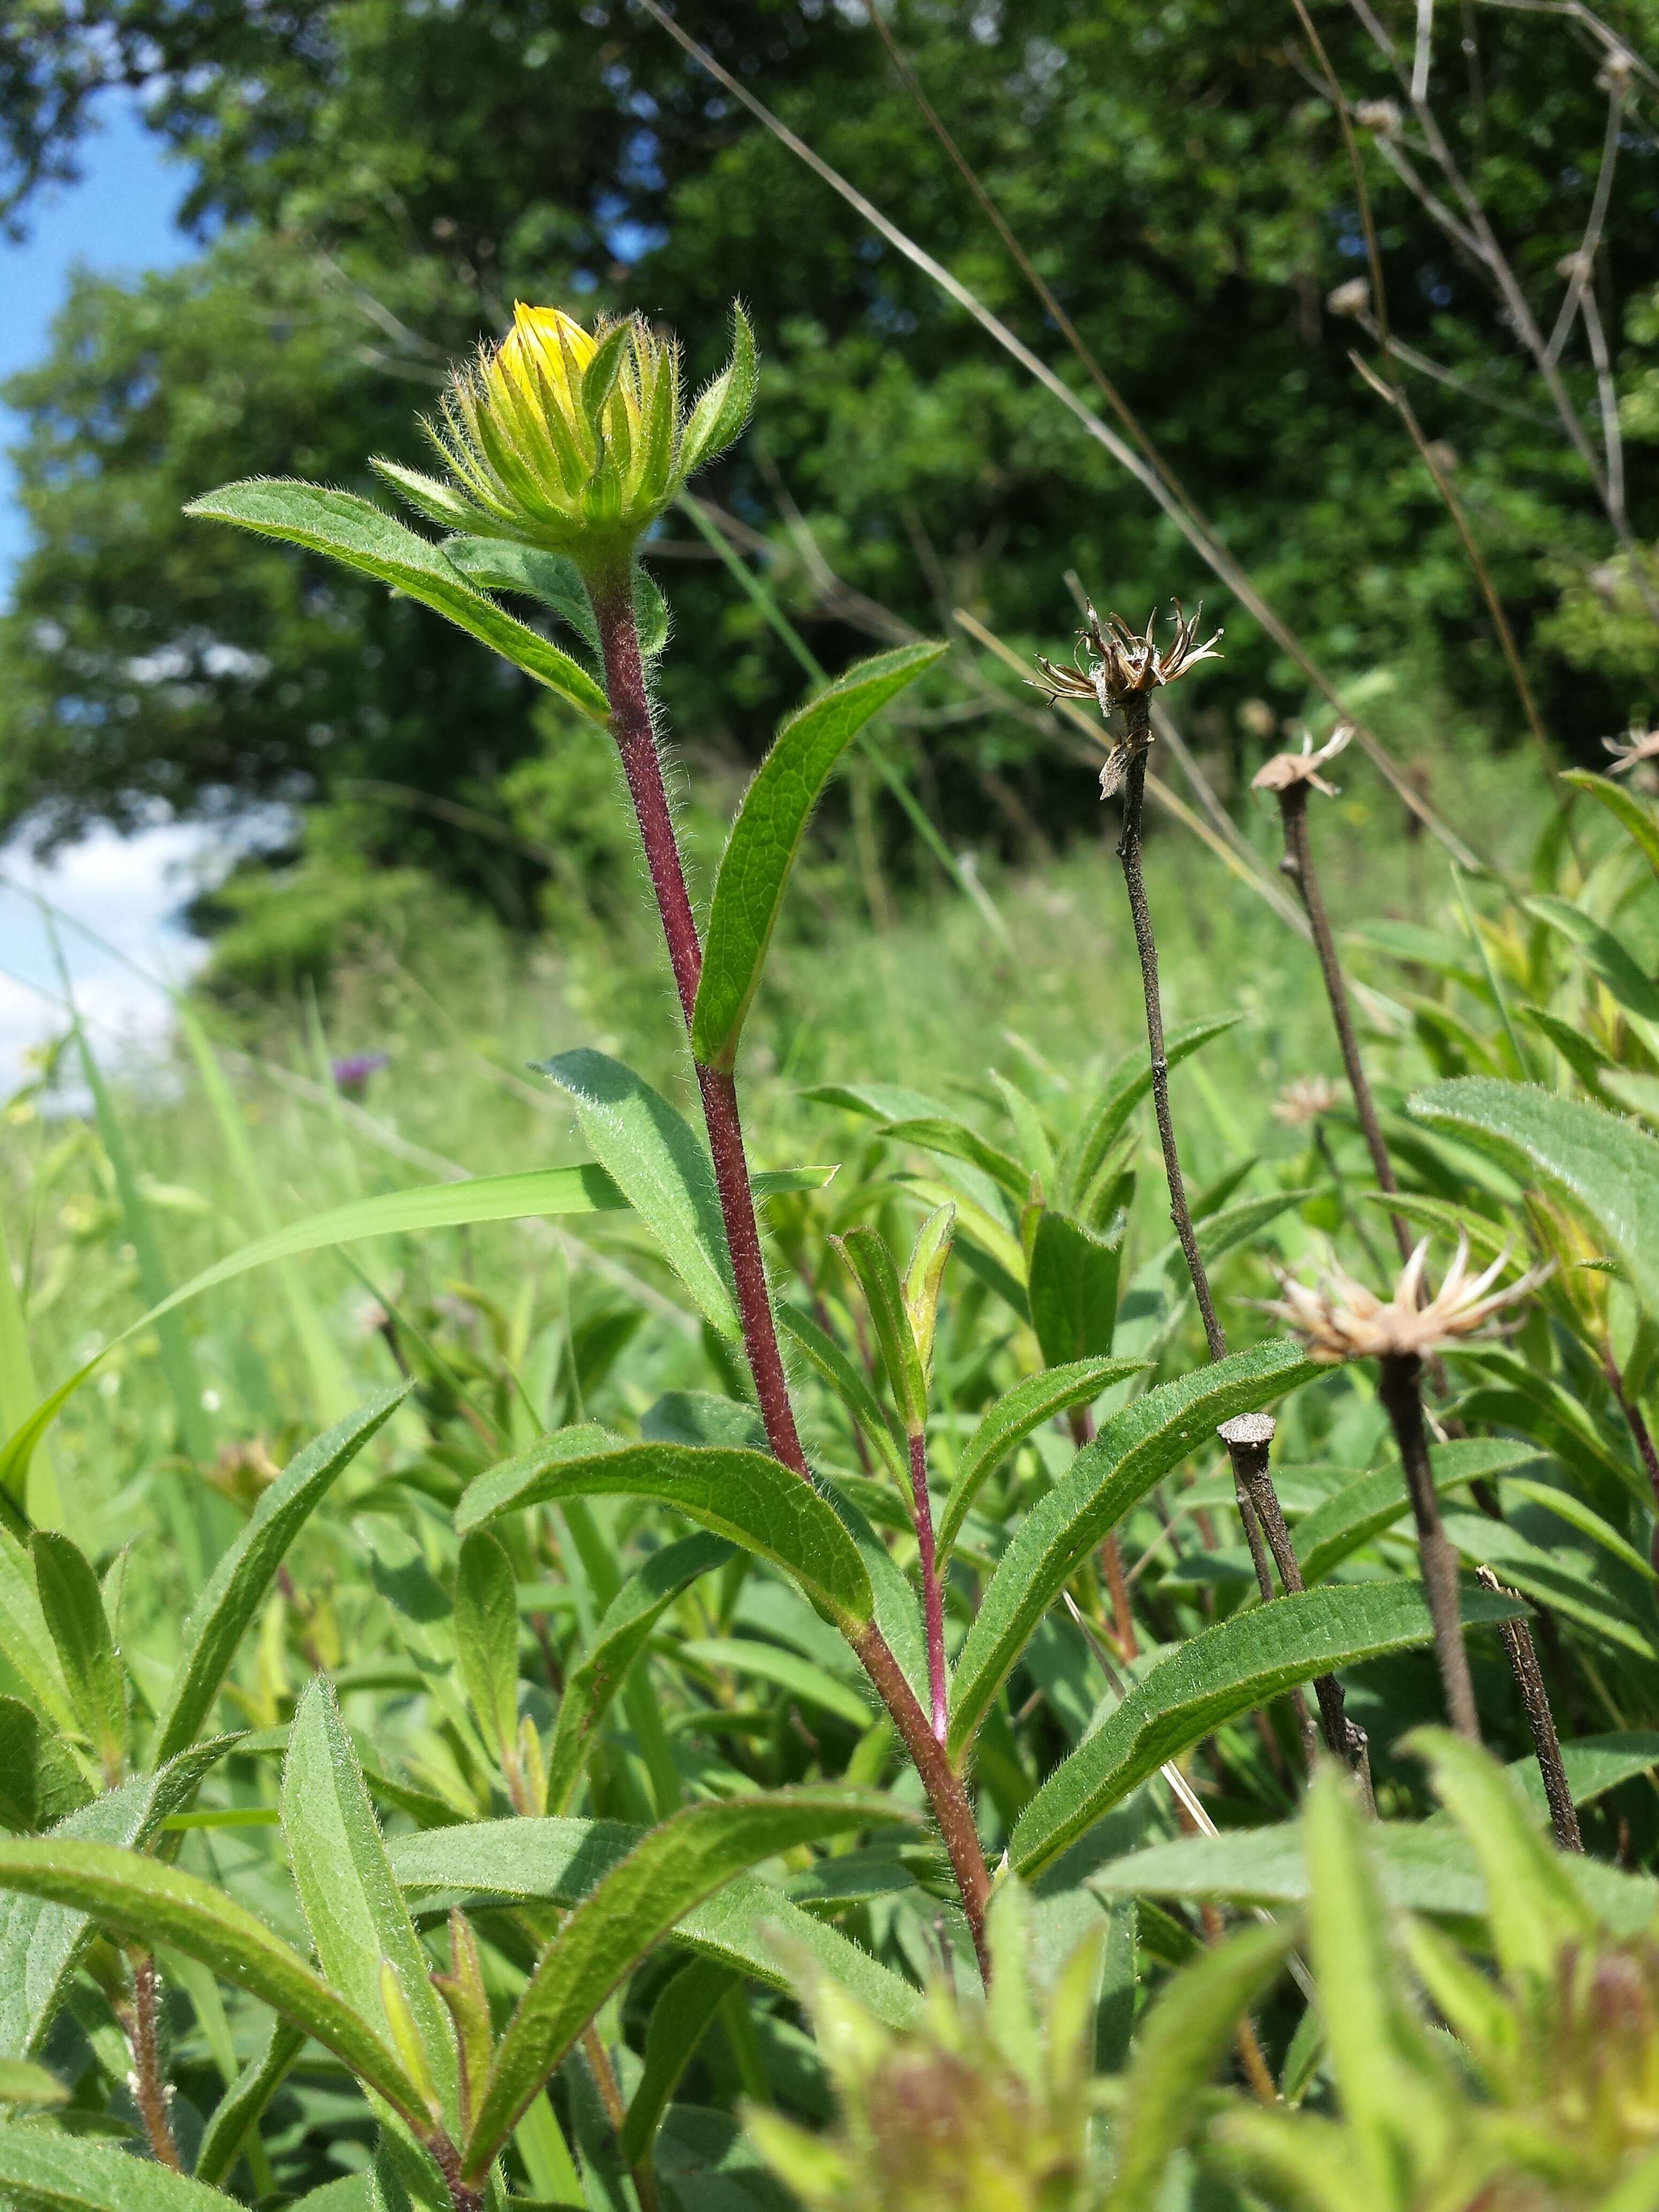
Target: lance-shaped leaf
(955, 1140)
(41, 1943)
(1594, 1160)
(620, 1638)
(849, 1381)
(140, 1901)
(660, 1167)
(72, 1606)
(541, 1193)
(676, 1868)
(1126, 1085)
(1018, 1414)
(1177, 2049)
(245, 1572)
(358, 1921)
(754, 870)
(364, 537)
(1351, 1517)
(678, 2020)
(561, 1862)
(39, 1780)
(487, 1639)
(744, 1495)
(43, 2170)
(1606, 954)
(1223, 1671)
(25, 1643)
(240, 2110)
(1634, 815)
(1134, 1450)
(871, 1265)
(1071, 1288)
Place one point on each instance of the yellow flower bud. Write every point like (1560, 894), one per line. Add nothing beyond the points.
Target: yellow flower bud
(575, 440)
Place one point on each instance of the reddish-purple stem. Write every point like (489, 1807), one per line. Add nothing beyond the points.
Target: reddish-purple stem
(921, 1511)
(632, 725)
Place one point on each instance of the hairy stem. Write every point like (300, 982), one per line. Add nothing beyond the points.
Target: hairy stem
(1298, 864)
(932, 1597)
(1399, 1389)
(1137, 714)
(1541, 1719)
(150, 2090)
(633, 726)
(461, 2196)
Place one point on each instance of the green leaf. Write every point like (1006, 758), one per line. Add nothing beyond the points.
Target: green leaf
(352, 1904)
(23, 2082)
(1375, 2042)
(1591, 1158)
(40, 1944)
(865, 1250)
(1179, 2047)
(1134, 1450)
(849, 1382)
(238, 2112)
(1071, 1288)
(39, 1781)
(1533, 1910)
(955, 1140)
(744, 1495)
(661, 1169)
(765, 1662)
(496, 564)
(722, 411)
(1361, 1510)
(672, 1870)
(243, 1574)
(72, 1606)
(560, 1862)
(1127, 1084)
(1015, 1415)
(1635, 817)
(621, 1636)
(754, 870)
(1606, 957)
(487, 1639)
(139, 1900)
(1227, 1669)
(679, 2018)
(539, 1195)
(365, 538)
(42, 2170)
(26, 1644)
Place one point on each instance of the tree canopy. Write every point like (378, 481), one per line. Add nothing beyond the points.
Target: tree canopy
(374, 182)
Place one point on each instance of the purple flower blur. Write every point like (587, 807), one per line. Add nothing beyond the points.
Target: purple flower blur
(351, 1074)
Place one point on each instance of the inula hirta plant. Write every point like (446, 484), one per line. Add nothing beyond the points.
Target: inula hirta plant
(994, 1327)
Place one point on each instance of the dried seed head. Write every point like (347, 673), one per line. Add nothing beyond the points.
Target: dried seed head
(1305, 1099)
(1125, 665)
(1285, 770)
(1641, 745)
(1382, 116)
(1340, 1319)
(1352, 298)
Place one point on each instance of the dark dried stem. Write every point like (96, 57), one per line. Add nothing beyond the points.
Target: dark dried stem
(932, 1597)
(1298, 865)
(1082, 1425)
(1400, 1391)
(149, 2091)
(1138, 718)
(1535, 1698)
(633, 726)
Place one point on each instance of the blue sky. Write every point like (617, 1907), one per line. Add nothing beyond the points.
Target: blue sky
(119, 219)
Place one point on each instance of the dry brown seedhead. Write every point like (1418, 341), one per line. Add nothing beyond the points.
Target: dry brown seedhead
(1285, 770)
(1640, 745)
(1340, 1319)
(1305, 1099)
(1124, 665)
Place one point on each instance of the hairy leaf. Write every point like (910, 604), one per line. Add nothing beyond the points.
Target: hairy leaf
(1229, 1668)
(754, 870)
(1018, 1414)
(744, 1495)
